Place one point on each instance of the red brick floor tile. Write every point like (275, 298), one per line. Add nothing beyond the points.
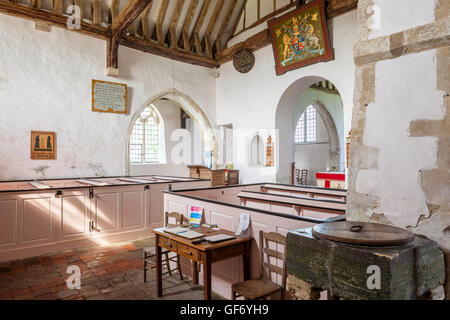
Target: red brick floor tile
(6, 296)
(18, 270)
(55, 281)
(129, 247)
(51, 296)
(22, 294)
(56, 289)
(59, 260)
(99, 271)
(39, 287)
(77, 297)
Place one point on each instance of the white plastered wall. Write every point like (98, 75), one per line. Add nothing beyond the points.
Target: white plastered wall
(45, 85)
(250, 101)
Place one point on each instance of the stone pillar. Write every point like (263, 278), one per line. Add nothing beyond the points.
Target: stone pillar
(399, 153)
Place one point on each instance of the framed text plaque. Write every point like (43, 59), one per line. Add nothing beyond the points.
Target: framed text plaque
(244, 61)
(109, 97)
(300, 37)
(43, 145)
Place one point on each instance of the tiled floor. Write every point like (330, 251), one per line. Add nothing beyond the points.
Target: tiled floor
(108, 273)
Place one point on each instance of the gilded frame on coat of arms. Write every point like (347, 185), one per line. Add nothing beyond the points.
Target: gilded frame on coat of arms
(300, 38)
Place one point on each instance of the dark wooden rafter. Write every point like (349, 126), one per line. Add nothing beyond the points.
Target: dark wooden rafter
(36, 4)
(78, 3)
(114, 9)
(241, 14)
(223, 19)
(144, 22)
(174, 54)
(263, 38)
(174, 23)
(258, 41)
(119, 25)
(159, 22)
(225, 24)
(210, 28)
(198, 27)
(97, 12)
(187, 25)
(57, 20)
(58, 6)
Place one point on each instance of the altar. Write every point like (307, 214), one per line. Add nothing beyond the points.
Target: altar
(331, 180)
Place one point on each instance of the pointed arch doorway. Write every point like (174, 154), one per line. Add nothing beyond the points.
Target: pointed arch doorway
(189, 107)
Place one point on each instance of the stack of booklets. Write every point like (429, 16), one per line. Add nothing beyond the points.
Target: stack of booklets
(184, 232)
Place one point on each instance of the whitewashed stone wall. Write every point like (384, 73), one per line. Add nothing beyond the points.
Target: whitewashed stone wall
(45, 85)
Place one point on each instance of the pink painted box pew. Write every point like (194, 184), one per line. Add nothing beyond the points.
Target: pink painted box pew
(226, 216)
(306, 191)
(308, 207)
(46, 216)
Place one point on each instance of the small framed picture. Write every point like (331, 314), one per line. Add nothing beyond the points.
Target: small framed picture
(43, 145)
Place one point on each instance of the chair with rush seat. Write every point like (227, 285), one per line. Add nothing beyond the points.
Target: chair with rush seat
(263, 287)
(150, 253)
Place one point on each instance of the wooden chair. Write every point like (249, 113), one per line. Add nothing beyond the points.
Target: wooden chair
(297, 175)
(263, 287)
(150, 253)
(301, 176)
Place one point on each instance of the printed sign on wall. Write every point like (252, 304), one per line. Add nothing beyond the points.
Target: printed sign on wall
(109, 97)
(43, 145)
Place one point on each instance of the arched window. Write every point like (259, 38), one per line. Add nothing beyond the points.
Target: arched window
(306, 126)
(257, 151)
(144, 140)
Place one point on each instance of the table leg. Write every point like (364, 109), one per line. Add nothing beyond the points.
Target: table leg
(206, 276)
(158, 268)
(195, 272)
(246, 259)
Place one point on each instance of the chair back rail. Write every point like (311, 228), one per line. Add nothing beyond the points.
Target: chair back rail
(265, 239)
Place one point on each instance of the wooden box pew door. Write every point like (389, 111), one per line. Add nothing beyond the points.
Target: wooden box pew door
(116, 210)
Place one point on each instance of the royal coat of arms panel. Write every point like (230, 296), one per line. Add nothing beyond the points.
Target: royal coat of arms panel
(300, 38)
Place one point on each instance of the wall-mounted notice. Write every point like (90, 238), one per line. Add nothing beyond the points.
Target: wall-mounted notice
(43, 145)
(109, 97)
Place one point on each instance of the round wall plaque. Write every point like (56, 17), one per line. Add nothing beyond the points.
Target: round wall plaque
(244, 60)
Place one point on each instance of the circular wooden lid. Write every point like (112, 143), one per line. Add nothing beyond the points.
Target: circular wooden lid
(363, 233)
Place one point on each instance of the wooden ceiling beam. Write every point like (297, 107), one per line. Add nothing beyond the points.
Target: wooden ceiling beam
(258, 41)
(123, 21)
(144, 22)
(160, 20)
(225, 24)
(60, 21)
(103, 33)
(36, 4)
(114, 10)
(78, 3)
(127, 15)
(174, 23)
(187, 25)
(198, 27)
(174, 54)
(210, 28)
(97, 12)
(58, 6)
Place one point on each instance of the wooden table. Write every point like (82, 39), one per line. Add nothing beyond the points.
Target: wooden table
(205, 253)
